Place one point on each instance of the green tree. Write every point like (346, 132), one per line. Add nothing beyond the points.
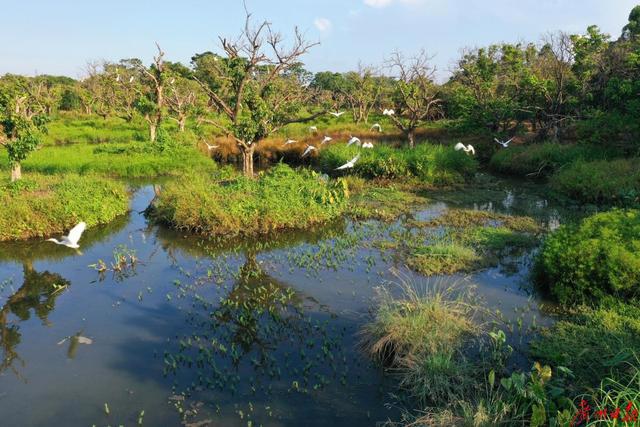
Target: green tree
(256, 87)
(415, 97)
(21, 121)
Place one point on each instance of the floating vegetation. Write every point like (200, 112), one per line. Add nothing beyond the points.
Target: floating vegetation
(123, 265)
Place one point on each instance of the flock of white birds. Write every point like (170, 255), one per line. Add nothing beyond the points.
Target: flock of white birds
(73, 238)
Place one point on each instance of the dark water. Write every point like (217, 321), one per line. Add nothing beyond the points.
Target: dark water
(228, 332)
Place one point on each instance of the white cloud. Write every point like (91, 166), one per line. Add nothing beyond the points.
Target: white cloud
(322, 24)
(384, 3)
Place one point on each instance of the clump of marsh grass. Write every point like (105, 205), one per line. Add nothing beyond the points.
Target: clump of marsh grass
(420, 332)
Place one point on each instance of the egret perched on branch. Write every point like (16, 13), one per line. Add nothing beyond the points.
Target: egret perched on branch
(326, 139)
(466, 148)
(336, 113)
(313, 129)
(131, 79)
(353, 140)
(309, 149)
(72, 239)
(172, 81)
(505, 144)
(388, 112)
(211, 147)
(290, 141)
(367, 145)
(376, 126)
(349, 164)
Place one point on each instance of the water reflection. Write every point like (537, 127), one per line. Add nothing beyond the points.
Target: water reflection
(38, 292)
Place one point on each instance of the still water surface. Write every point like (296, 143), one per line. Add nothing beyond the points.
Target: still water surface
(225, 333)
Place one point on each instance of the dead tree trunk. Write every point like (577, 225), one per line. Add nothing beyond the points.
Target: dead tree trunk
(411, 137)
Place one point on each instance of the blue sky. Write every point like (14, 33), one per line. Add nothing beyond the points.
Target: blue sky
(59, 37)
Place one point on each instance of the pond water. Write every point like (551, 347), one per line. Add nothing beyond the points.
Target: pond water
(219, 333)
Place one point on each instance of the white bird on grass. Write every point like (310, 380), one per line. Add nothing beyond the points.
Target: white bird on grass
(505, 144)
(350, 163)
(72, 239)
(388, 112)
(353, 140)
(309, 149)
(367, 145)
(376, 126)
(466, 148)
(211, 147)
(290, 141)
(326, 139)
(313, 129)
(336, 113)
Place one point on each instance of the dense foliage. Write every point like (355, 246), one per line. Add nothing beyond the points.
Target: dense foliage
(592, 260)
(40, 206)
(433, 164)
(281, 198)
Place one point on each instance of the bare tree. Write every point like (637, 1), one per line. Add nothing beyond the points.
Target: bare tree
(415, 98)
(155, 76)
(363, 92)
(256, 86)
(182, 99)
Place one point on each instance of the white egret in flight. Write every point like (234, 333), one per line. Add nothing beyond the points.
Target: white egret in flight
(309, 149)
(466, 148)
(367, 145)
(211, 147)
(290, 141)
(388, 112)
(349, 164)
(336, 113)
(376, 126)
(505, 144)
(326, 139)
(353, 140)
(72, 239)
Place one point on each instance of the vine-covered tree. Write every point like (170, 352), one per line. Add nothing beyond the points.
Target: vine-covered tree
(256, 86)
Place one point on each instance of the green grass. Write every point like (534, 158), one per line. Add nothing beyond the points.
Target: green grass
(40, 206)
(593, 344)
(133, 160)
(281, 198)
(465, 240)
(432, 164)
(614, 182)
(74, 129)
(420, 335)
(599, 257)
(543, 159)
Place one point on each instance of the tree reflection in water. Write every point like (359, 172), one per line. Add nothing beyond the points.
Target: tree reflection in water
(259, 334)
(38, 292)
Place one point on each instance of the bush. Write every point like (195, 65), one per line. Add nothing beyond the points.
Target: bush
(599, 257)
(593, 344)
(434, 164)
(281, 198)
(614, 182)
(543, 159)
(40, 206)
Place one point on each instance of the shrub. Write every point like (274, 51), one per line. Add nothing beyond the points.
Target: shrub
(281, 198)
(598, 257)
(45, 205)
(593, 344)
(543, 159)
(434, 164)
(614, 182)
